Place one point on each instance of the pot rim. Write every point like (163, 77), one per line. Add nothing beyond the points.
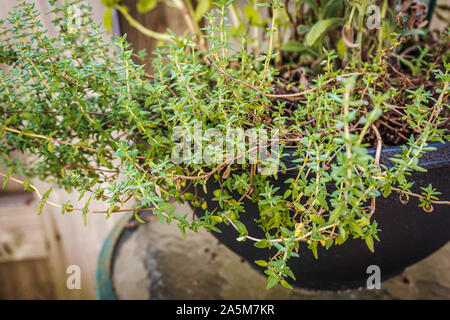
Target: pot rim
(430, 159)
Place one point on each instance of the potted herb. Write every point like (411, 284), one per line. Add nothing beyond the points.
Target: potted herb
(310, 127)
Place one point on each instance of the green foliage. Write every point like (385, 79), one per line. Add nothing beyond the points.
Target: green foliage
(146, 5)
(202, 8)
(90, 119)
(320, 28)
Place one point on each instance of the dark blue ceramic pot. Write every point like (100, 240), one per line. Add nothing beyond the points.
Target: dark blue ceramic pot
(408, 234)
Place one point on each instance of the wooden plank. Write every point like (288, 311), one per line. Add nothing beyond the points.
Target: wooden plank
(21, 233)
(159, 19)
(26, 280)
(15, 198)
(72, 243)
(65, 239)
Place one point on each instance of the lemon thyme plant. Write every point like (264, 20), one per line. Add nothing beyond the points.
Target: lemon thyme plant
(91, 120)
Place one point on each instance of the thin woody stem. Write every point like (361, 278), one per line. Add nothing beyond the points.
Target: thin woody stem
(135, 24)
(293, 96)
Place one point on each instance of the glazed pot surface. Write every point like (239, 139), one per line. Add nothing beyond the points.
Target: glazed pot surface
(408, 234)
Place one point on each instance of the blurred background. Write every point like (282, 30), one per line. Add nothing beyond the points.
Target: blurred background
(35, 252)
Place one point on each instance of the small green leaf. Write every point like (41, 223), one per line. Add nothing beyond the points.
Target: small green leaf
(313, 248)
(311, 4)
(289, 272)
(252, 15)
(342, 232)
(44, 200)
(320, 28)
(369, 242)
(108, 18)
(189, 196)
(5, 181)
(407, 32)
(84, 218)
(241, 227)
(341, 48)
(272, 281)
(297, 47)
(111, 209)
(202, 7)
(261, 244)
(293, 46)
(332, 7)
(136, 216)
(328, 243)
(302, 29)
(261, 263)
(356, 228)
(316, 219)
(144, 6)
(322, 202)
(285, 284)
(28, 186)
(217, 219)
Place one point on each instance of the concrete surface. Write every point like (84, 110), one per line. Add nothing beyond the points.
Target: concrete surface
(153, 261)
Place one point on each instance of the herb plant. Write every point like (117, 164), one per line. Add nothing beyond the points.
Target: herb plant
(87, 114)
